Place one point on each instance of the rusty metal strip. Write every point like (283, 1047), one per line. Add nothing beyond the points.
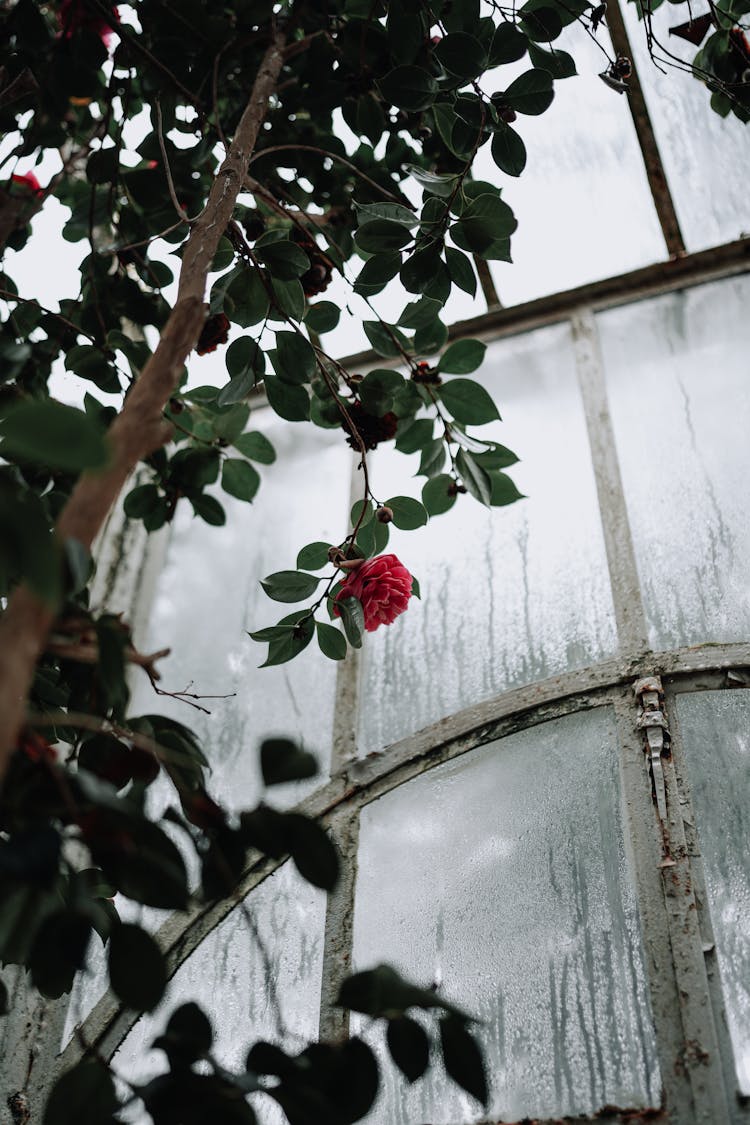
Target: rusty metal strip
(365, 780)
(657, 179)
(699, 1055)
(721, 681)
(630, 617)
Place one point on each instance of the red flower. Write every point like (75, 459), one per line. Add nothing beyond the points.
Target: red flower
(214, 332)
(76, 15)
(28, 181)
(382, 585)
(35, 747)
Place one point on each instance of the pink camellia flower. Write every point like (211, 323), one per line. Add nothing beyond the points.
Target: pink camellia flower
(77, 15)
(28, 181)
(382, 585)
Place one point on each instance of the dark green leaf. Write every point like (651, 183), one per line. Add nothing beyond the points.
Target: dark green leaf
(257, 447)
(239, 478)
(432, 459)
(290, 298)
(387, 340)
(377, 272)
(461, 54)
(289, 402)
(282, 760)
(290, 585)
(290, 643)
(463, 1059)
(476, 479)
(408, 514)
(381, 235)
(508, 150)
(409, 1047)
(431, 338)
(461, 270)
(541, 24)
(378, 389)
(322, 317)
(54, 435)
(188, 1035)
(248, 297)
(285, 260)
(395, 212)
(439, 494)
(332, 642)
(353, 618)
(420, 313)
(209, 509)
(496, 457)
(415, 436)
(486, 219)
(85, 1093)
(433, 182)
(504, 490)
(557, 63)
(102, 165)
(508, 45)
(409, 87)
(313, 853)
(532, 93)
(141, 500)
(462, 357)
(313, 557)
(295, 358)
(468, 402)
(137, 970)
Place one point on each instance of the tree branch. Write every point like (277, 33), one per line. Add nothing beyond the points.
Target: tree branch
(139, 428)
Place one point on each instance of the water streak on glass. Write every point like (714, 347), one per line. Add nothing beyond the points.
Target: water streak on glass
(583, 204)
(502, 876)
(209, 596)
(228, 977)
(680, 400)
(509, 595)
(706, 157)
(715, 728)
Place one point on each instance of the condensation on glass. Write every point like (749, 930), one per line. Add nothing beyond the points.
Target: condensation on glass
(680, 399)
(246, 997)
(715, 729)
(706, 157)
(503, 877)
(509, 595)
(583, 204)
(208, 597)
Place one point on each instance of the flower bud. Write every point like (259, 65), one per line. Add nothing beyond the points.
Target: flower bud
(384, 514)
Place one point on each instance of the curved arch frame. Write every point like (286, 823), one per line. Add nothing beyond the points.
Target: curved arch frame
(360, 782)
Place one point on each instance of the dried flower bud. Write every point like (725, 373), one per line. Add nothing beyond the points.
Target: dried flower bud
(384, 514)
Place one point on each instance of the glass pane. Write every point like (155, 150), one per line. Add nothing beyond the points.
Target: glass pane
(227, 976)
(715, 728)
(208, 596)
(584, 173)
(509, 595)
(502, 875)
(680, 398)
(706, 157)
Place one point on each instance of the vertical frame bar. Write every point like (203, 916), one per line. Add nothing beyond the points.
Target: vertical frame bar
(630, 617)
(657, 180)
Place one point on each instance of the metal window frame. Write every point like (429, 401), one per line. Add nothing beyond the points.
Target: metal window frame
(687, 1004)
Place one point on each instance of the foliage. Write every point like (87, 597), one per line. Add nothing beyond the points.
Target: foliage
(138, 102)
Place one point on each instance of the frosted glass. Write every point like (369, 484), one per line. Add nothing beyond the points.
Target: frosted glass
(503, 876)
(715, 728)
(583, 204)
(509, 595)
(680, 399)
(208, 596)
(226, 975)
(706, 157)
